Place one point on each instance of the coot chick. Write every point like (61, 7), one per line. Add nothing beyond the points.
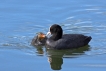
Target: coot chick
(58, 40)
(40, 39)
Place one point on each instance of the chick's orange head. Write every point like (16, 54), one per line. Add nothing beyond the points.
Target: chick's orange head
(41, 36)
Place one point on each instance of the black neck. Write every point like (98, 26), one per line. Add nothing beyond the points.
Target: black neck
(56, 36)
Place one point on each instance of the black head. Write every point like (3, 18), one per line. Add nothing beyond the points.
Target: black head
(56, 31)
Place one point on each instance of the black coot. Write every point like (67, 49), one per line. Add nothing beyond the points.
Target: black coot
(58, 40)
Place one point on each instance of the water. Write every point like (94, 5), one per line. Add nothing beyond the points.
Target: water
(20, 20)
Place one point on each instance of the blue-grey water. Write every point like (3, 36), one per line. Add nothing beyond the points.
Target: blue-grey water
(20, 20)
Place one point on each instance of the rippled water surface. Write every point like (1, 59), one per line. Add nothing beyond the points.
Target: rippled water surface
(20, 20)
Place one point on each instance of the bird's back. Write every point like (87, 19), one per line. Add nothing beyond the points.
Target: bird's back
(71, 41)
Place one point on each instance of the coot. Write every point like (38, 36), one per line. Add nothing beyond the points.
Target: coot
(58, 40)
(40, 39)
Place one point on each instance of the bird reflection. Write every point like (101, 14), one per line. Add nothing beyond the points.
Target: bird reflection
(55, 57)
(39, 50)
(55, 62)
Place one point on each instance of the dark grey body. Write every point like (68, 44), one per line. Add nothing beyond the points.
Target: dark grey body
(69, 41)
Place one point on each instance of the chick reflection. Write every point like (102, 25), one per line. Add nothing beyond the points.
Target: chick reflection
(55, 57)
(39, 49)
